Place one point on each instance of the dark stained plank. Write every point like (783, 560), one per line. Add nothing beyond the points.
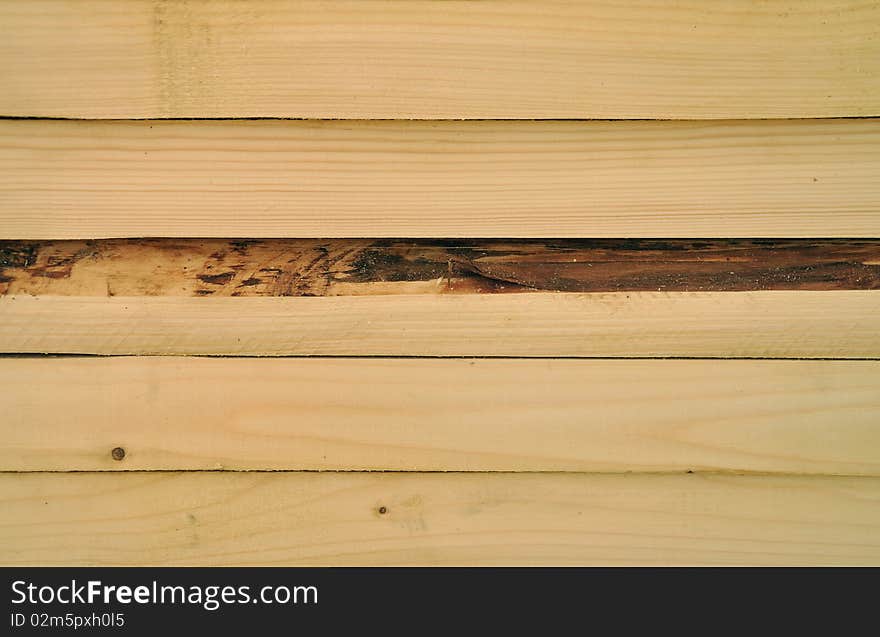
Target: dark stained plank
(339, 267)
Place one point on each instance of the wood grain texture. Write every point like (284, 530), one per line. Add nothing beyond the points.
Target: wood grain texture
(805, 417)
(356, 267)
(263, 179)
(439, 60)
(772, 324)
(435, 519)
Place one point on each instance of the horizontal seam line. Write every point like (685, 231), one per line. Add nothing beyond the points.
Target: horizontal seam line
(440, 357)
(682, 472)
(445, 119)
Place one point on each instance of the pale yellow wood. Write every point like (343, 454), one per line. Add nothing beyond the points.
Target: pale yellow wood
(62, 414)
(468, 519)
(74, 179)
(433, 60)
(766, 324)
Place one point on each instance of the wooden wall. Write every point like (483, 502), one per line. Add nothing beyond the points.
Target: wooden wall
(501, 282)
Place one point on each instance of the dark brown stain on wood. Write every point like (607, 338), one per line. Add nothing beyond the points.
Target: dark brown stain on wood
(216, 279)
(48, 263)
(17, 254)
(314, 267)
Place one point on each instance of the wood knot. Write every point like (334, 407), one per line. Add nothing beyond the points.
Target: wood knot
(118, 453)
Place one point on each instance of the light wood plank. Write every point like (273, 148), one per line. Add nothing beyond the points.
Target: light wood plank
(365, 267)
(435, 519)
(434, 60)
(73, 179)
(63, 414)
(773, 324)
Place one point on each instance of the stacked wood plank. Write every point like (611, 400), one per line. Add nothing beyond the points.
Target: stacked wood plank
(779, 178)
(439, 282)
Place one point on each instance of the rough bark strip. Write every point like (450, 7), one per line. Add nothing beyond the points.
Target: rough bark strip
(356, 267)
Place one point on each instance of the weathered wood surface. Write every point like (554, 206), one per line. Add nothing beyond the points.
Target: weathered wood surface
(179, 413)
(86, 180)
(439, 60)
(763, 324)
(353, 267)
(226, 518)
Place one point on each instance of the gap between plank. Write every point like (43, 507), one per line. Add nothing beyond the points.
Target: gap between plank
(714, 472)
(456, 357)
(428, 120)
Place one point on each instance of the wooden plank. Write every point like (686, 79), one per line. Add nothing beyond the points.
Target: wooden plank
(439, 60)
(62, 414)
(767, 324)
(436, 519)
(259, 179)
(360, 267)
